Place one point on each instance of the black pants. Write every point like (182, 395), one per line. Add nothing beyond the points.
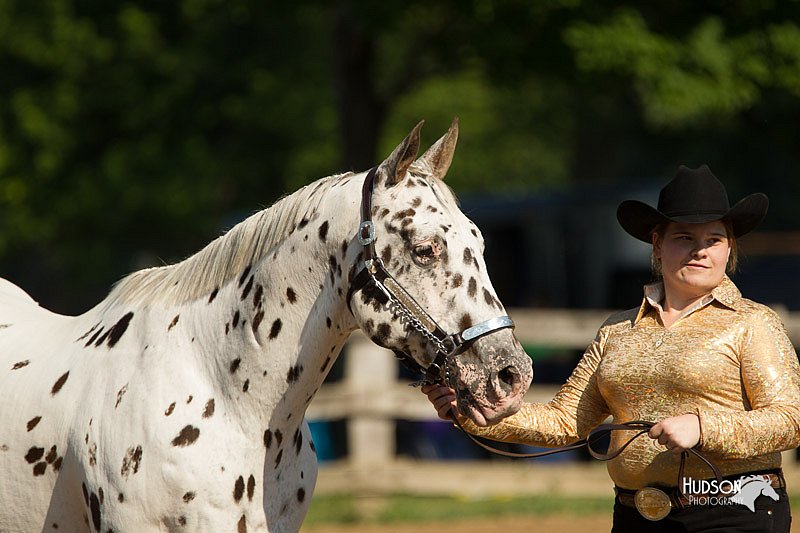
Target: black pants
(769, 517)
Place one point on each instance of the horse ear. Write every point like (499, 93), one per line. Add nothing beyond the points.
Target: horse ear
(439, 156)
(394, 168)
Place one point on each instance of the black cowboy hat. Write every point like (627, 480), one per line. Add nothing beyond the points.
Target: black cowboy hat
(695, 196)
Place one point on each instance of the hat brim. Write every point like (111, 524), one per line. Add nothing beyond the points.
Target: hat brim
(640, 219)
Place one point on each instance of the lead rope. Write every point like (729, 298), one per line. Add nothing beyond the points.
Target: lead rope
(640, 426)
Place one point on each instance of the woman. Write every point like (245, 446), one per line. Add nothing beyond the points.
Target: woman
(714, 371)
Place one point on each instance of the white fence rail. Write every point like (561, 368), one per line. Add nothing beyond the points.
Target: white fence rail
(371, 398)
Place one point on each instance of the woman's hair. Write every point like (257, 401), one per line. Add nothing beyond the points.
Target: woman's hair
(733, 258)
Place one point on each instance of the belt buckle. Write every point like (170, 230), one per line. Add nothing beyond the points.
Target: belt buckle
(652, 503)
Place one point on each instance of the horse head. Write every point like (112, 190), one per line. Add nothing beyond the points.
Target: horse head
(432, 255)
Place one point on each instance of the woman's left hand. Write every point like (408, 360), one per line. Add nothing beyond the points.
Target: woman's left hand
(677, 433)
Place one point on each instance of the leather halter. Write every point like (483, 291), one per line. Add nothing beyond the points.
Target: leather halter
(378, 283)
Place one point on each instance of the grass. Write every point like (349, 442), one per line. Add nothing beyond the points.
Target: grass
(396, 508)
(344, 509)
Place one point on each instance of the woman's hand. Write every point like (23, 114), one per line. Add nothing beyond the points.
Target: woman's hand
(443, 399)
(677, 433)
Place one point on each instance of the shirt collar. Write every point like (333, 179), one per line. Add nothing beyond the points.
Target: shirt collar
(725, 293)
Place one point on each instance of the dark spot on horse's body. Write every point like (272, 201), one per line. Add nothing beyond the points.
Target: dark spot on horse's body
(258, 295)
(208, 412)
(267, 438)
(94, 505)
(234, 366)
(278, 458)
(20, 364)
(34, 454)
(275, 329)
(465, 322)
(93, 338)
(328, 321)
(257, 320)
(487, 296)
(301, 494)
(59, 383)
(323, 231)
(247, 288)
(32, 422)
(169, 409)
(246, 385)
(39, 468)
(406, 213)
(325, 364)
(290, 295)
(52, 455)
(386, 254)
(467, 256)
(251, 487)
(298, 441)
(118, 329)
(174, 322)
(120, 393)
(235, 319)
(238, 489)
(121, 498)
(189, 496)
(241, 526)
(131, 461)
(187, 436)
(213, 294)
(302, 224)
(244, 275)
(294, 373)
(87, 333)
(383, 332)
(472, 288)
(102, 339)
(57, 464)
(278, 436)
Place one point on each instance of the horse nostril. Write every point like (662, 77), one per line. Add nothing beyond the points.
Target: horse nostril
(509, 378)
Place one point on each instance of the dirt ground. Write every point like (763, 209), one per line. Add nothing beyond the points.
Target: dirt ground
(559, 523)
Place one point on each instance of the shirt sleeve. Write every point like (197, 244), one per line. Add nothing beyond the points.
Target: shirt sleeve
(771, 382)
(576, 409)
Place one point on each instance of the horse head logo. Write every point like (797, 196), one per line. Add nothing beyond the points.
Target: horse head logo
(752, 488)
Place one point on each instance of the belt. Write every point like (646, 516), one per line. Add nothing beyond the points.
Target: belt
(659, 502)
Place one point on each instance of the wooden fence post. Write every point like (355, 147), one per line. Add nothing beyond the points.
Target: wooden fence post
(369, 372)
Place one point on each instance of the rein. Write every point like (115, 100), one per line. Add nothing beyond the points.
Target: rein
(640, 426)
(379, 284)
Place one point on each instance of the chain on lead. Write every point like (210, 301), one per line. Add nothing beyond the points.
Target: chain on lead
(406, 318)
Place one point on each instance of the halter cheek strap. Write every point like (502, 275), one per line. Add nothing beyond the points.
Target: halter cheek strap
(377, 283)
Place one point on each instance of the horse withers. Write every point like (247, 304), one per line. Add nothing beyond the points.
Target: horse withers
(177, 403)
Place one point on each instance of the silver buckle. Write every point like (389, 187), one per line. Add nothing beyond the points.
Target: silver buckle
(369, 227)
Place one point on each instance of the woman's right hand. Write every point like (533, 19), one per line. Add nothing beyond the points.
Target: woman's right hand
(443, 399)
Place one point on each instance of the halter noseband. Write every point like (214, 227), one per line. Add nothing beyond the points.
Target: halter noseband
(372, 275)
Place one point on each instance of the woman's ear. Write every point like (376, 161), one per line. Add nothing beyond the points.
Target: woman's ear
(656, 245)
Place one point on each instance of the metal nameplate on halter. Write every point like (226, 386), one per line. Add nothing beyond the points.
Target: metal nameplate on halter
(489, 326)
(652, 503)
(366, 233)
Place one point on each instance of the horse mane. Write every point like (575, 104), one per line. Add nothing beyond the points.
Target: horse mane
(225, 257)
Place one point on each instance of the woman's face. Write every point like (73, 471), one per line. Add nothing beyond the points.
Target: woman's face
(693, 256)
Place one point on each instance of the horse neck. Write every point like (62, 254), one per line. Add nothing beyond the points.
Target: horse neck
(278, 326)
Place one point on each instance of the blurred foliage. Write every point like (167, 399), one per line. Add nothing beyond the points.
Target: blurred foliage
(133, 132)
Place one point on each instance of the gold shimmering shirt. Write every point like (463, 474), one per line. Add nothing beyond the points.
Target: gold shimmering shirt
(728, 360)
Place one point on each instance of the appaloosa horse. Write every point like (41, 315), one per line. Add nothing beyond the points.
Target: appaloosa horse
(177, 403)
